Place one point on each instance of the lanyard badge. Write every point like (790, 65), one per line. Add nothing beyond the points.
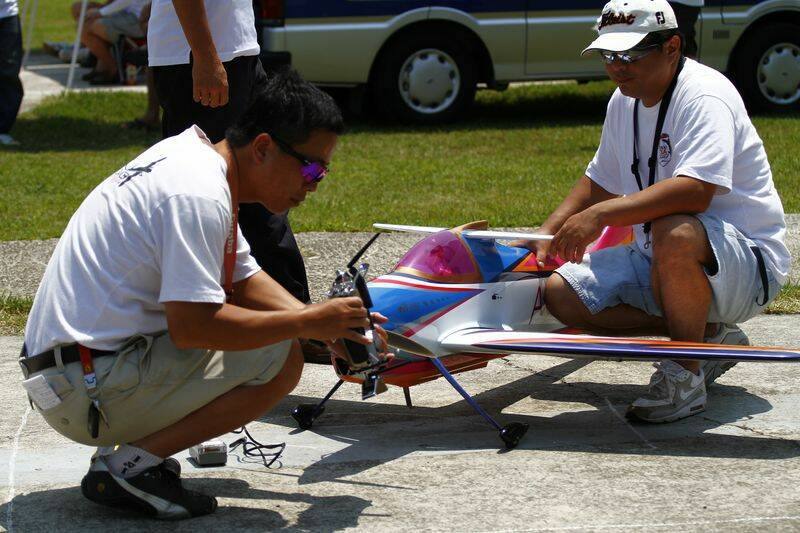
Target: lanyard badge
(651, 162)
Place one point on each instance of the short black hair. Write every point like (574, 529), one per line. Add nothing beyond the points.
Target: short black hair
(659, 37)
(288, 107)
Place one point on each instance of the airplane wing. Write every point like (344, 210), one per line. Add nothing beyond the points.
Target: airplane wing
(611, 348)
(408, 229)
(469, 233)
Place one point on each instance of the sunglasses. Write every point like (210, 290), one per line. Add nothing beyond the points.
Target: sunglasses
(629, 56)
(312, 171)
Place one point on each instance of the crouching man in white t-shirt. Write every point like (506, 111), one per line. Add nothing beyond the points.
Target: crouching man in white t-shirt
(679, 160)
(130, 330)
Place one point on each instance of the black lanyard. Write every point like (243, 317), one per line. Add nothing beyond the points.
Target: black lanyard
(651, 163)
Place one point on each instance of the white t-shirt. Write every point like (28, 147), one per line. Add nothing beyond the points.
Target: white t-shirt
(134, 7)
(152, 232)
(707, 135)
(232, 25)
(8, 8)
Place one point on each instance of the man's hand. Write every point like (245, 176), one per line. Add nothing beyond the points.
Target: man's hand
(209, 82)
(579, 230)
(335, 318)
(379, 336)
(541, 249)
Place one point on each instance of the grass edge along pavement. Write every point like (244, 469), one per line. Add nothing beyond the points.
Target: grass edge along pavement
(14, 309)
(512, 160)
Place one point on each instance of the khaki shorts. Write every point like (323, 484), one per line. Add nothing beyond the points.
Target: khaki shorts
(151, 384)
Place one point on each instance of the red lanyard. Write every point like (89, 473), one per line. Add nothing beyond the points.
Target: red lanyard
(230, 243)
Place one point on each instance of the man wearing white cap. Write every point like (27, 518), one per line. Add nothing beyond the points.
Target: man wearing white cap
(680, 161)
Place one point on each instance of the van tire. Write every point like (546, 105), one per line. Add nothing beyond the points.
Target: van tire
(424, 79)
(765, 62)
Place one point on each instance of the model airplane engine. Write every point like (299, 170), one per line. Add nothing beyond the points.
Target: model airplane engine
(352, 282)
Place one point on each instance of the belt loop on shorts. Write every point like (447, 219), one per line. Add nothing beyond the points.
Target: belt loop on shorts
(762, 271)
(57, 357)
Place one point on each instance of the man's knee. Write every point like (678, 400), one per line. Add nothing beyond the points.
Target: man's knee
(680, 238)
(562, 301)
(289, 375)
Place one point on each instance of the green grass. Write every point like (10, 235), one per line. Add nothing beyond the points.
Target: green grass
(53, 23)
(511, 161)
(13, 314)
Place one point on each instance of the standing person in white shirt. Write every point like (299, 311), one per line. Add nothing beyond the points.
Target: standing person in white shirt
(10, 63)
(205, 61)
(103, 27)
(680, 161)
(153, 329)
(687, 13)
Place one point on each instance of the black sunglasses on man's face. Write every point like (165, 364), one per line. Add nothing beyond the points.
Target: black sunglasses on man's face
(312, 171)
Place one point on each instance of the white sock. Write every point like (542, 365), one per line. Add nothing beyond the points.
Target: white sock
(128, 461)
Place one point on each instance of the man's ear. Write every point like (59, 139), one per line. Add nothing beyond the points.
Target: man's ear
(674, 45)
(261, 145)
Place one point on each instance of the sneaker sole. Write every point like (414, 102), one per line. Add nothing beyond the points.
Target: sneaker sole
(685, 412)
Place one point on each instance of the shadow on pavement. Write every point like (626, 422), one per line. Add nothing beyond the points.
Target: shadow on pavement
(45, 511)
(597, 430)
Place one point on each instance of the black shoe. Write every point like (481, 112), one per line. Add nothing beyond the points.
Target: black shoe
(156, 492)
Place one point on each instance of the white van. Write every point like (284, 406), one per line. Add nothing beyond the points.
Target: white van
(422, 61)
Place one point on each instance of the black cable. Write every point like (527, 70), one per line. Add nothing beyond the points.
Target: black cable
(254, 449)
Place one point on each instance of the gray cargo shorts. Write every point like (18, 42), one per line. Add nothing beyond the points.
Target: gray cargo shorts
(621, 275)
(151, 384)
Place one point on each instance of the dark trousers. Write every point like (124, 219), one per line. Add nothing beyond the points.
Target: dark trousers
(10, 64)
(687, 19)
(270, 236)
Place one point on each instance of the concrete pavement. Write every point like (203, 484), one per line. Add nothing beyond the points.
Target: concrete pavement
(377, 465)
(45, 75)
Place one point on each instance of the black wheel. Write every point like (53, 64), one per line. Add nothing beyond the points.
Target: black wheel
(513, 433)
(304, 414)
(767, 67)
(425, 79)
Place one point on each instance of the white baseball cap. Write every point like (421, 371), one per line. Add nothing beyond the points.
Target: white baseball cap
(624, 23)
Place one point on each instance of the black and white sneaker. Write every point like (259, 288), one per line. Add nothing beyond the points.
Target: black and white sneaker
(157, 492)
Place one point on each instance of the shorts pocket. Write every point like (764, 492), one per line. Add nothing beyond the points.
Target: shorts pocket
(121, 374)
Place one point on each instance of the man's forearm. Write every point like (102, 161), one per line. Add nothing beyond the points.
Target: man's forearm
(261, 292)
(680, 195)
(230, 327)
(192, 16)
(584, 194)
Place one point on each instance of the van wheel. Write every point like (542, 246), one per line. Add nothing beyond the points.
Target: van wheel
(767, 69)
(425, 79)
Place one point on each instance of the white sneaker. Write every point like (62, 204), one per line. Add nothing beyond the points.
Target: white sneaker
(729, 334)
(8, 140)
(674, 393)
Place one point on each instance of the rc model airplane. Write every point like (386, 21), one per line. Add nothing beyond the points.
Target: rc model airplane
(459, 298)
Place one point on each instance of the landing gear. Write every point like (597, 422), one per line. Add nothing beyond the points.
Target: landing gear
(306, 413)
(510, 434)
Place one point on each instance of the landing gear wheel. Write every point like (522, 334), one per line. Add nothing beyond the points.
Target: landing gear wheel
(305, 414)
(767, 68)
(513, 433)
(425, 79)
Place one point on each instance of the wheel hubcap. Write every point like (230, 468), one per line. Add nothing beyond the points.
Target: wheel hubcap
(429, 81)
(779, 74)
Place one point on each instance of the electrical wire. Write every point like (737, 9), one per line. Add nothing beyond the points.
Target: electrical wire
(253, 449)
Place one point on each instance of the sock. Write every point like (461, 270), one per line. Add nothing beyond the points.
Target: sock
(128, 461)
